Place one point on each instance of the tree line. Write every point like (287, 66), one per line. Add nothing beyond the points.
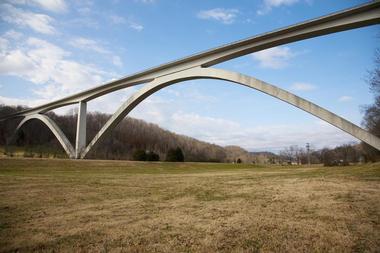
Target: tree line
(135, 139)
(339, 156)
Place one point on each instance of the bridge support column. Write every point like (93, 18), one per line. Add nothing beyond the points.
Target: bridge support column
(80, 142)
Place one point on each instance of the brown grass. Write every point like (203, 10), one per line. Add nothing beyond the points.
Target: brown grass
(100, 206)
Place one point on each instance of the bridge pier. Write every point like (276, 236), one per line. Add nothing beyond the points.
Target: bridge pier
(80, 142)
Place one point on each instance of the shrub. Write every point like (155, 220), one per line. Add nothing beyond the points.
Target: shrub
(139, 155)
(175, 155)
(151, 156)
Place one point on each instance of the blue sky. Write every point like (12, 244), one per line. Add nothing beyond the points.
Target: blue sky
(54, 48)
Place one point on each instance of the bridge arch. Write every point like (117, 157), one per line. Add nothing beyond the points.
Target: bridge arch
(214, 73)
(61, 137)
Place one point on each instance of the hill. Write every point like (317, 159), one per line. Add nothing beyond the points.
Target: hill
(130, 135)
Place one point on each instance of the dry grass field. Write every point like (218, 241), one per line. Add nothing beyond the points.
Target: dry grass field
(113, 206)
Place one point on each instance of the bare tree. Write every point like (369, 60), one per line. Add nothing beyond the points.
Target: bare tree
(372, 112)
(292, 154)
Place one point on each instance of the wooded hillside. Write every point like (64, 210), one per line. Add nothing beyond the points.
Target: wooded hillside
(130, 135)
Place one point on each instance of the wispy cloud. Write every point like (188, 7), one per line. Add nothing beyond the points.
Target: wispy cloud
(92, 45)
(116, 60)
(275, 58)
(12, 34)
(136, 26)
(117, 20)
(345, 99)
(40, 23)
(191, 94)
(50, 5)
(19, 101)
(268, 5)
(146, 1)
(84, 22)
(48, 66)
(302, 87)
(225, 16)
(88, 44)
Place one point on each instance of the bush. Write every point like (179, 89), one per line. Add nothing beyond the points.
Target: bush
(139, 155)
(151, 156)
(175, 155)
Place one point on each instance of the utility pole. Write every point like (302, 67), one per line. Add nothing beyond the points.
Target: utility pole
(308, 153)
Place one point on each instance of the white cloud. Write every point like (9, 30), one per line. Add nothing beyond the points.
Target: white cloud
(49, 67)
(275, 57)
(30, 102)
(146, 1)
(110, 102)
(226, 16)
(277, 3)
(12, 34)
(267, 5)
(116, 60)
(18, 101)
(117, 20)
(50, 5)
(15, 62)
(136, 26)
(88, 44)
(201, 126)
(92, 45)
(192, 94)
(345, 99)
(302, 87)
(4, 44)
(84, 22)
(38, 22)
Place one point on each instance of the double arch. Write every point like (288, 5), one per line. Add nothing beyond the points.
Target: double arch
(198, 66)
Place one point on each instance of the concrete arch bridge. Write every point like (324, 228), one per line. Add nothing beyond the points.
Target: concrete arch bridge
(199, 66)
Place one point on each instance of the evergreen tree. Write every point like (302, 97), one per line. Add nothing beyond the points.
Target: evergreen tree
(139, 155)
(151, 156)
(175, 155)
